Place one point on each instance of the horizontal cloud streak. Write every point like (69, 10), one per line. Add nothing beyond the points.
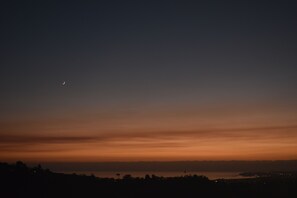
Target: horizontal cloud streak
(233, 132)
(250, 143)
(31, 139)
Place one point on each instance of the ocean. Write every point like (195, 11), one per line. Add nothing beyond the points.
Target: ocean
(212, 175)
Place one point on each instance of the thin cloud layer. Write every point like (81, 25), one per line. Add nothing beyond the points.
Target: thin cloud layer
(213, 143)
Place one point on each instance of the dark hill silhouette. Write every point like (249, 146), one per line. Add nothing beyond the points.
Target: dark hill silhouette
(18, 180)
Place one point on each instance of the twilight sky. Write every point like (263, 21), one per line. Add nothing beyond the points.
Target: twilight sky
(148, 80)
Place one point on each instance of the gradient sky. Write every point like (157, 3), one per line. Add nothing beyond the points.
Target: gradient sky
(148, 80)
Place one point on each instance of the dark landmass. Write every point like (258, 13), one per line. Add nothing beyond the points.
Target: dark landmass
(269, 174)
(18, 180)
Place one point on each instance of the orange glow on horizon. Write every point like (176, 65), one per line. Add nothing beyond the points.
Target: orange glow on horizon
(153, 136)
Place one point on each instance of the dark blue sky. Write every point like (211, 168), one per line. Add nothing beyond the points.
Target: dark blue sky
(127, 49)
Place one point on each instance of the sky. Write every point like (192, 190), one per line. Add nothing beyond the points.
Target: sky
(148, 80)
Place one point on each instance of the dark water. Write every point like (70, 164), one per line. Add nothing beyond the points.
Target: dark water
(110, 174)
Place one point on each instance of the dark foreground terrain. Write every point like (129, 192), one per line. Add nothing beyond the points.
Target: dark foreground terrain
(18, 180)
